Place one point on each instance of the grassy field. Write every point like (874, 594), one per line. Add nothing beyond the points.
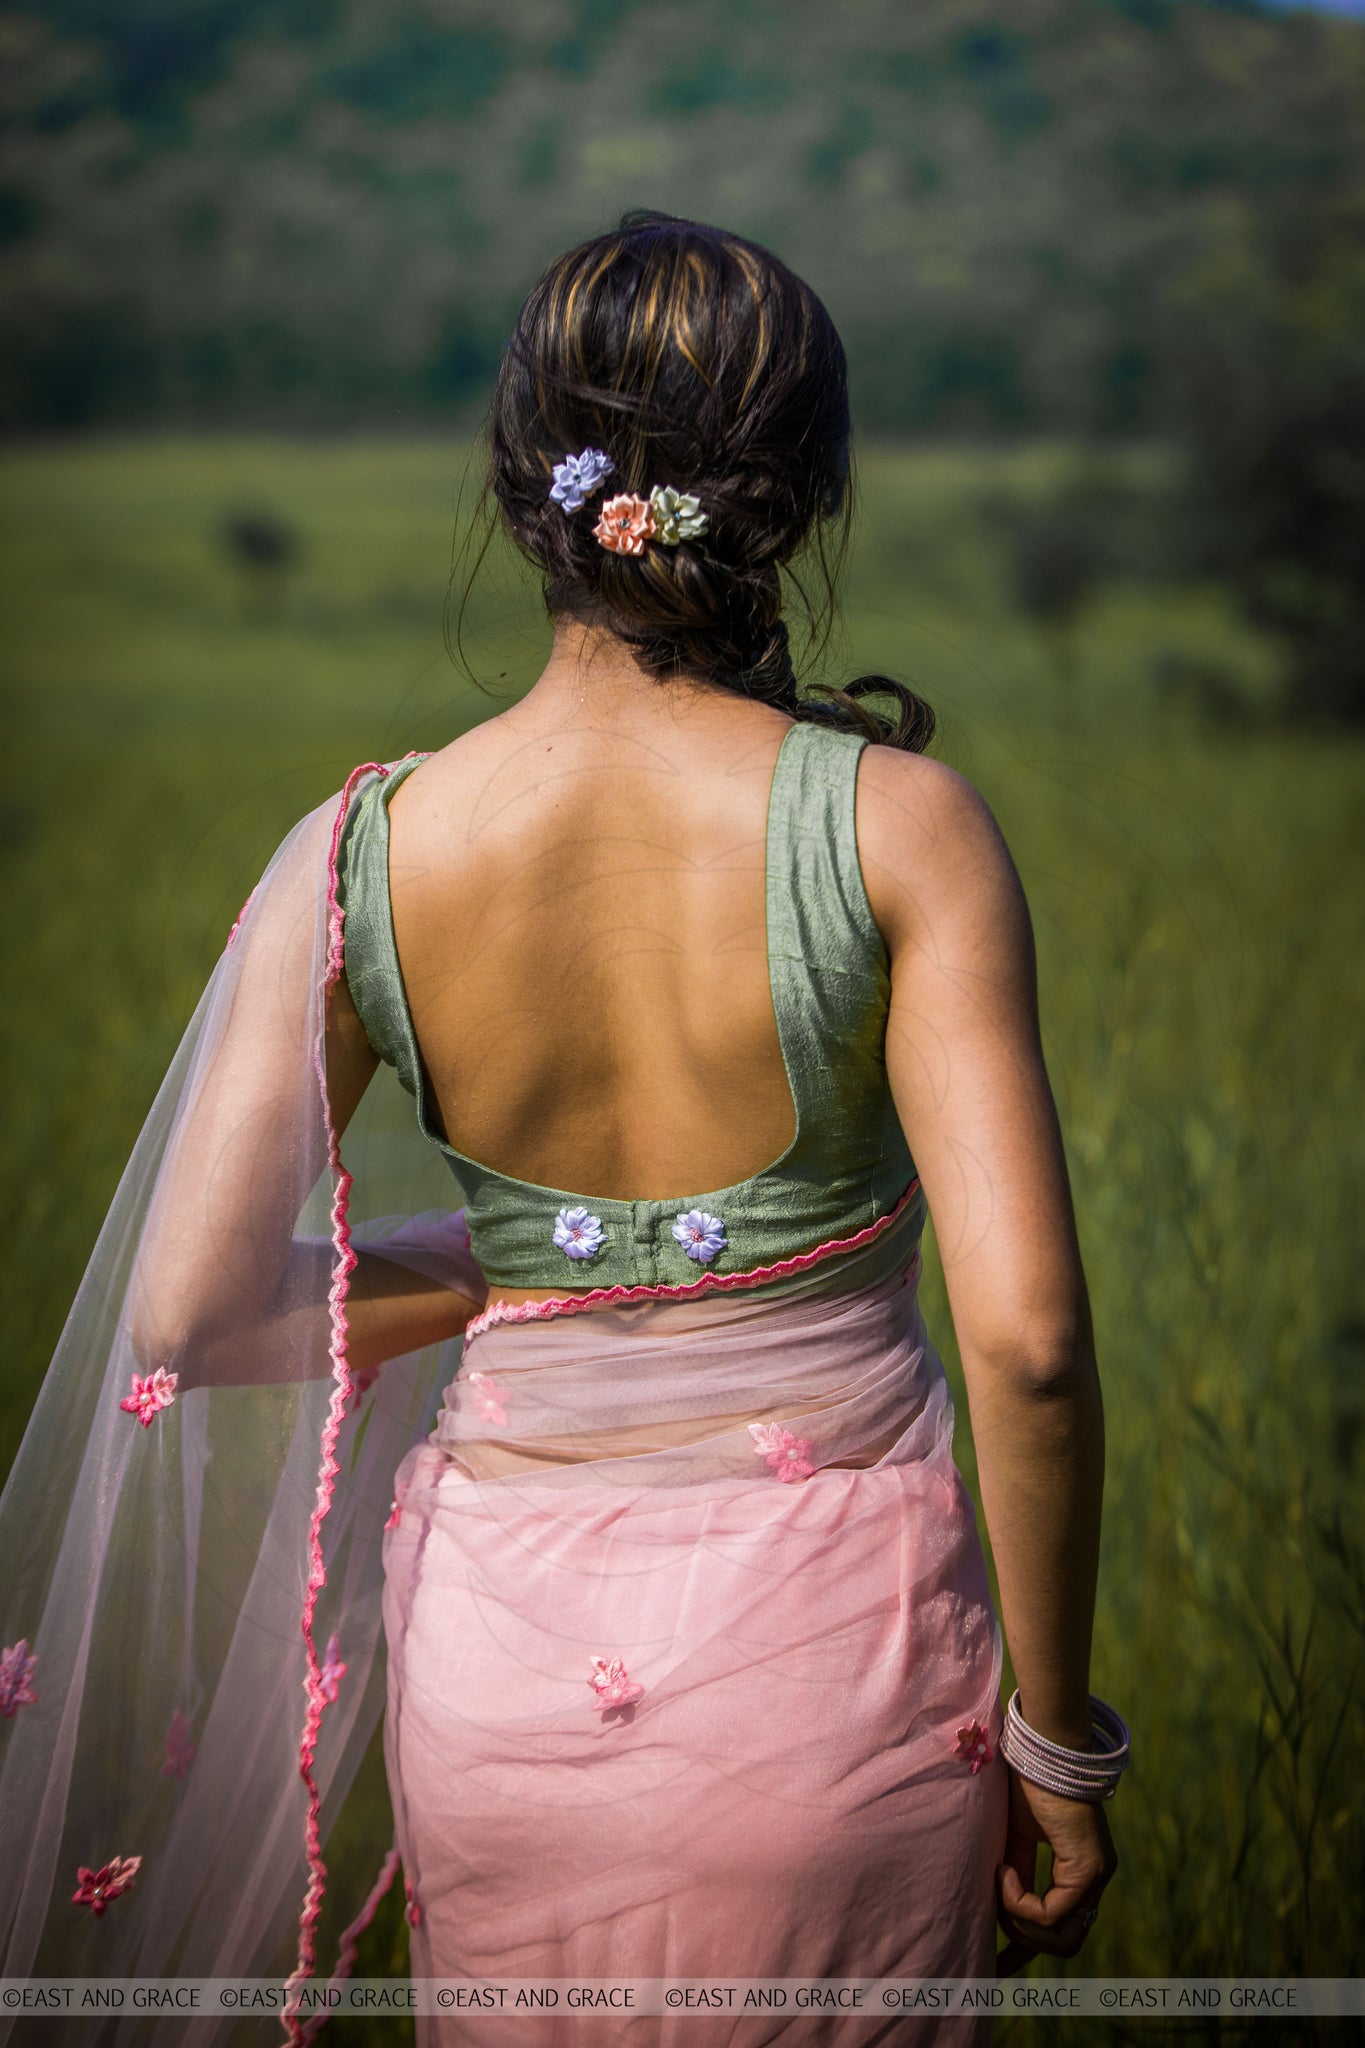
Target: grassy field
(169, 716)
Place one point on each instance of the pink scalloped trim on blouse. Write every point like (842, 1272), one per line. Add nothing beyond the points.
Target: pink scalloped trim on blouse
(709, 1283)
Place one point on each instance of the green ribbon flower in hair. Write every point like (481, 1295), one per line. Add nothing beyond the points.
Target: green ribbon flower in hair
(677, 515)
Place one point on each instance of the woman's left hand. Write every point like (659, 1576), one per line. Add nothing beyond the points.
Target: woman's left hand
(1083, 1861)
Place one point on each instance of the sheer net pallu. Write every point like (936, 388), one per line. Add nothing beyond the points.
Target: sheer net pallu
(688, 1663)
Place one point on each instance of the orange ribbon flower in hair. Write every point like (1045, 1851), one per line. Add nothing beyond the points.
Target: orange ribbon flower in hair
(626, 524)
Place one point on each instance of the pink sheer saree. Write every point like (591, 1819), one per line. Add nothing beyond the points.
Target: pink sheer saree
(191, 1531)
(691, 1660)
(692, 1666)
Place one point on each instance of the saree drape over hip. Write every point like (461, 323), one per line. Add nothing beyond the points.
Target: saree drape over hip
(668, 1591)
(749, 1512)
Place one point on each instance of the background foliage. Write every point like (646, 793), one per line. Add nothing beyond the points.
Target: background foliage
(1114, 218)
(246, 209)
(1191, 889)
(1101, 268)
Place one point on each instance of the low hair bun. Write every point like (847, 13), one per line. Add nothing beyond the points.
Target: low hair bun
(676, 356)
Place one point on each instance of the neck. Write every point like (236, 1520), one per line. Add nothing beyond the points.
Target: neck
(592, 670)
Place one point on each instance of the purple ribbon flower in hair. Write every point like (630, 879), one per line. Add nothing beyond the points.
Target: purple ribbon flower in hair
(578, 476)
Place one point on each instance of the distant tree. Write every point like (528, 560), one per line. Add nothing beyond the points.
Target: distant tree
(294, 212)
(1094, 524)
(1270, 402)
(263, 548)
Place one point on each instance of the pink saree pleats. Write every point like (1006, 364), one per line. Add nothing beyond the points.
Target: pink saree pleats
(686, 1613)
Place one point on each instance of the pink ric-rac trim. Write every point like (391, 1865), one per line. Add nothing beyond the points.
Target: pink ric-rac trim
(342, 1387)
(709, 1283)
(350, 1940)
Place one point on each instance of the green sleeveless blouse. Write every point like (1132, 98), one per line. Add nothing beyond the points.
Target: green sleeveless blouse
(848, 1166)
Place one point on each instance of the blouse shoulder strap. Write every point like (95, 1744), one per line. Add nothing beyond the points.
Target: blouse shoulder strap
(819, 910)
(370, 955)
(827, 961)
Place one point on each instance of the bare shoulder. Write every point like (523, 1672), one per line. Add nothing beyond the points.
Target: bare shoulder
(931, 851)
(450, 783)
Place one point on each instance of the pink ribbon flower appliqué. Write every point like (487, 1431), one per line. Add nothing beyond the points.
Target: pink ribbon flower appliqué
(781, 1452)
(95, 1888)
(17, 1666)
(180, 1751)
(332, 1670)
(973, 1747)
(613, 1685)
(150, 1395)
(412, 1912)
(489, 1398)
(361, 1382)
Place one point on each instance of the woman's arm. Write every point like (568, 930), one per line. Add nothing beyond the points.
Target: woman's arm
(222, 1292)
(965, 1063)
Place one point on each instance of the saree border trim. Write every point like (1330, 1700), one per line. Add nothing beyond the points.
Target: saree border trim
(316, 1697)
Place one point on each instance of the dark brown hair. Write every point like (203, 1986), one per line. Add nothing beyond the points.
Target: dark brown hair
(695, 359)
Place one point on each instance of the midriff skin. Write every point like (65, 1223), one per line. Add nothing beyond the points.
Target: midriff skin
(382, 1294)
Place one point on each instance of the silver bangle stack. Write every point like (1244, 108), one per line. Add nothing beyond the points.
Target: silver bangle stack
(1091, 1774)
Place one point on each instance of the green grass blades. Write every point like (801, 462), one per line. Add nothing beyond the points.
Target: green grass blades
(179, 690)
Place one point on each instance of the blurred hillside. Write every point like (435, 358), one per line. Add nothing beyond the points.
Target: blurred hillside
(1036, 216)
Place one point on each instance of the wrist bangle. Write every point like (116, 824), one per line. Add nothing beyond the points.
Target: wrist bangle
(1092, 1774)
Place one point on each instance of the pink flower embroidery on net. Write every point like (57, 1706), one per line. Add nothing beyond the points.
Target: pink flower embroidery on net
(613, 1685)
(180, 1751)
(95, 1888)
(150, 1395)
(17, 1665)
(489, 1398)
(781, 1451)
(361, 1382)
(332, 1670)
(973, 1747)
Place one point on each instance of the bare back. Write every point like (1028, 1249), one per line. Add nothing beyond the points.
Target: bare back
(579, 909)
(578, 892)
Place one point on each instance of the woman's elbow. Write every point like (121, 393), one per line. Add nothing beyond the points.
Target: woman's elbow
(1049, 1356)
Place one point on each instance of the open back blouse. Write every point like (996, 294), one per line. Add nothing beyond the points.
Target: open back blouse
(847, 1172)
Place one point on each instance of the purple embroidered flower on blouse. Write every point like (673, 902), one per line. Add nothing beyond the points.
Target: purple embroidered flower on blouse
(613, 1685)
(578, 476)
(577, 1234)
(973, 1747)
(489, 1398)
(95, 1888)
(783, 1453)
(150, 1395)
(17, 1666)
(332, 1671)
(180, 1751)
(701, 1236)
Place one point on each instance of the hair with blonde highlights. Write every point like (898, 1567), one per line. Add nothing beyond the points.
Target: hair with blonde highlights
(694, 359)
